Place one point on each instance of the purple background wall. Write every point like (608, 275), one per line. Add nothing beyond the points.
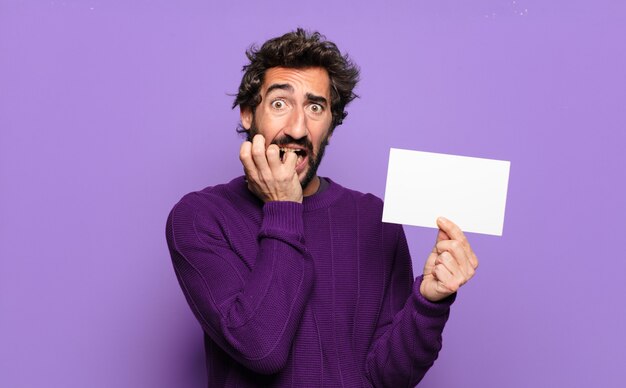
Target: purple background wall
(110, 111)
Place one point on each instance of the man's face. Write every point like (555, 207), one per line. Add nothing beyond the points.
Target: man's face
(294, 113)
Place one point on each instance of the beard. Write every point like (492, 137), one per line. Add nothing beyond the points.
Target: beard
(314, 159)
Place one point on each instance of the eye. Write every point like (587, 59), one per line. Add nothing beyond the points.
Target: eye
(316, 108)
(278, 104)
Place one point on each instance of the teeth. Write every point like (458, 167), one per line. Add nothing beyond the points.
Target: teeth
(297, 151)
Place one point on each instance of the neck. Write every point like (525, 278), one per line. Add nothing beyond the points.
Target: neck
(312, 187)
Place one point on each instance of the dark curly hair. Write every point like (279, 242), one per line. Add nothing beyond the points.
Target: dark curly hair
(299, 49)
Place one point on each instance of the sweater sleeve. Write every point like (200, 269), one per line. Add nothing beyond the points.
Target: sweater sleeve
(252, 315)
(408, 335)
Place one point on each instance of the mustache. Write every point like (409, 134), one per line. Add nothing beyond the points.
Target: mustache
(286, 140)
(283, 140)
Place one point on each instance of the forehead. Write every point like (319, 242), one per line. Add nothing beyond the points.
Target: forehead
(313, 80)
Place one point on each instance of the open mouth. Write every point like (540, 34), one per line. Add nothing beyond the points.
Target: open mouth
(300, 153)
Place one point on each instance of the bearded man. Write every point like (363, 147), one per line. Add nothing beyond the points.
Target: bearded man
(295, 279)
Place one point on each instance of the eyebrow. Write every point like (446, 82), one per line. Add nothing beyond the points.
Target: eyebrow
(289, 88)
(317, 99)
(273, 87)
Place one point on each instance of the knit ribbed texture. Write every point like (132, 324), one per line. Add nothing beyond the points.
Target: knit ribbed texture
(318, 294)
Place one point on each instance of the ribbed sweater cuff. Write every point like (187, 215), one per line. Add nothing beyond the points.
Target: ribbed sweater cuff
(283, 216)
(428, 308)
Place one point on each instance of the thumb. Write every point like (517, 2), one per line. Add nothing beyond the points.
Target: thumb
(441, 236)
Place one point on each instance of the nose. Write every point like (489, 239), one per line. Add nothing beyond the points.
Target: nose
(296, 125)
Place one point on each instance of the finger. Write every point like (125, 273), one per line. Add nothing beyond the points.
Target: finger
(473, 260)
(245, 155)
(441, 236)
(455, 233)
(451, 229)
(450, 272)
(430, 261)
(446, 259)
(273, 157)
(444, 278)
(259, 157)
(456, 249)
(291, 159)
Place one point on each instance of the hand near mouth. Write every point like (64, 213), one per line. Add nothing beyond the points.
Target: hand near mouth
(269, 177)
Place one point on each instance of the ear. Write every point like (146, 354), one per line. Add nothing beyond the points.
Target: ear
(245, 113)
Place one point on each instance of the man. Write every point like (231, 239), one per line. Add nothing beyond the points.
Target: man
(294, 279)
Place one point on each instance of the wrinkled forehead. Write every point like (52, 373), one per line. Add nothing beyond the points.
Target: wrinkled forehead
(301, 81)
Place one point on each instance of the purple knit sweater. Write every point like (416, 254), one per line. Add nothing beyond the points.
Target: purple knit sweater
(318, 294)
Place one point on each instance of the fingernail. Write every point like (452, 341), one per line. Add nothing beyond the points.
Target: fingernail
(442, 220)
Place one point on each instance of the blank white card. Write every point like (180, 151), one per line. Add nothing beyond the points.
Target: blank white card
(422, 186)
